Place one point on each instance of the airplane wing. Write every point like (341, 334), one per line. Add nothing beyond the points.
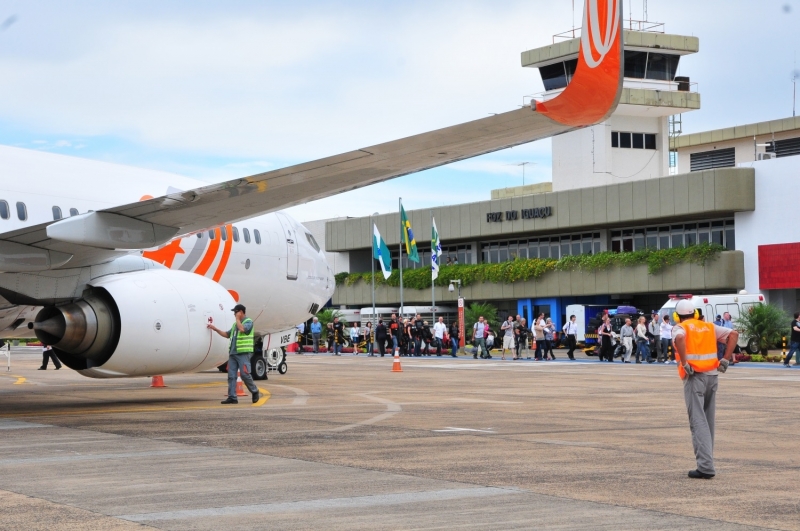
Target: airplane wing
(590, 98)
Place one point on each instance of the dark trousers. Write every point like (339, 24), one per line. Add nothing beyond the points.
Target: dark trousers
(571, 345)
(417, 346)
(548, 348)
(438, 342)
(47, 355)
(538, 353)
(606, 350)
(382, 345)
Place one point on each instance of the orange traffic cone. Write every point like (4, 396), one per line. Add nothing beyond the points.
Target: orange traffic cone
(158, 381)
(396, 365)
(239, 385)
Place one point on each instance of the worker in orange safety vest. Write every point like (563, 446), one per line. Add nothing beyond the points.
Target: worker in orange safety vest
(695, 345)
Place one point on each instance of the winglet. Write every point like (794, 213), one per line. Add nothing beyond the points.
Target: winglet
(594, 91)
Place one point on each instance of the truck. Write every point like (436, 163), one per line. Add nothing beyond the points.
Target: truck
(712, 305)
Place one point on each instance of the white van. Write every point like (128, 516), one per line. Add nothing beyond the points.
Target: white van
(381, 312)
(713, 305)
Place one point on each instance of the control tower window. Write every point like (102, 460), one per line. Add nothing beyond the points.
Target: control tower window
(558, 75)
(662, 66)
(635, 64)
(633, 140)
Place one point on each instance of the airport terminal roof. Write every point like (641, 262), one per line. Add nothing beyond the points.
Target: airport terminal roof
(737, 132)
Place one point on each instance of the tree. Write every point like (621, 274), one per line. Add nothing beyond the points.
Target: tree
(765, 323)
(326, 316)
(475, 310)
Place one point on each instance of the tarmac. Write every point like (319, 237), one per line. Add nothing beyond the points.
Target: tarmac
(344, 443)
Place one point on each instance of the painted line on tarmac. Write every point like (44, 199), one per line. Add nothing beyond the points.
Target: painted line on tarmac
(354, 502)
(94, 457)
(19, 425)
(301, 396)
(265, 395)
(392, 409)
(167, 409)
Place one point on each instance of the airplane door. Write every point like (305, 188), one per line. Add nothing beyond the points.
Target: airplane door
(292, 257)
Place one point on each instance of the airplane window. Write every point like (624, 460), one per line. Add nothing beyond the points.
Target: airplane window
(224, 232)
(4, 213)
(257, 236)
(235, 234)
(246, 233)
(211, 234)
(22, 211)
(73, 211)
(312, 241)
(199, 235)
(56, 213)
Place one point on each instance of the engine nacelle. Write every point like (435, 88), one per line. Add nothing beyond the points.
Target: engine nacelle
(140, 324)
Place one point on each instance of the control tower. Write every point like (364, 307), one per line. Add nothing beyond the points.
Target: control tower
(636, 141)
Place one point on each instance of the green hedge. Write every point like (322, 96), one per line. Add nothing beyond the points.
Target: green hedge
(533, 268)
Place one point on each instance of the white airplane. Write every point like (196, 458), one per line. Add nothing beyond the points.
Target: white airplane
(123, 284)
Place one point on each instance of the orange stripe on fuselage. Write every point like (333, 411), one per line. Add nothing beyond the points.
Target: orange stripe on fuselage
(226, 253)
(211, 253)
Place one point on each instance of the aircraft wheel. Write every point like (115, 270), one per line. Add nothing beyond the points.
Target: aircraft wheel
(258, 365)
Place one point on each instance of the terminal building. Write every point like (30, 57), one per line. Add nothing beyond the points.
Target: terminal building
(630, 183)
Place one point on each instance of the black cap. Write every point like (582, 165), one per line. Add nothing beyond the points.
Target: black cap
(239, 308)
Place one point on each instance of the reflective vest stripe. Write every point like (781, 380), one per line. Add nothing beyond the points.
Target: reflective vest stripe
(698, 357)
(245, 343)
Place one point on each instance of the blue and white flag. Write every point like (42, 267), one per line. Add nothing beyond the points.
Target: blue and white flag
(436, 250)
(381, 253)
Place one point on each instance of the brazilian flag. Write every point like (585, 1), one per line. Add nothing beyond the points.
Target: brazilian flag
(408, 236)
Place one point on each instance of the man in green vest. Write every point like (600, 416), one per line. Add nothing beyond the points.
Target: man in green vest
(241, 350)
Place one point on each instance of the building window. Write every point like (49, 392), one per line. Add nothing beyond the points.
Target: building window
(73, 211)
(235, 234)
(717, 158)
(4, 211)
(22, 211)
(656, 66)
(633, 140)
(546, 248)
(784, 148)
(721, 232)
(257, 236)
(246, 234)
(56, 213)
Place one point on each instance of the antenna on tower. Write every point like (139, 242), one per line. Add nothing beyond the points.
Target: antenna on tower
(644, 10)
(794, 86)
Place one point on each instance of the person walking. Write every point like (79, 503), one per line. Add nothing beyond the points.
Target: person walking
(354, 337)
(479, 335)
(395, 331)
(408, 345)
(522, 337)
(427, 338)
(794, 342)
(642, 342)
(626, 333)
(381, 337)
(241, 349)
(695, 343)
(507, 328)
(338, 336)
(538, 331)
(316, 334)
(439, 331)
(418, 335)
(604, 333)
(549, 338)
(454, 338)
(369, 337)
(47, 355)
(727, 321)
(571, 333)
(654, 330)
(666, 339)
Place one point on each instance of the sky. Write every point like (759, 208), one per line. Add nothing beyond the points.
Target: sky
(217, 90)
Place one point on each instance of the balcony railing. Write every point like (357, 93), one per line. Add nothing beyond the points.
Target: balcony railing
(630, 24)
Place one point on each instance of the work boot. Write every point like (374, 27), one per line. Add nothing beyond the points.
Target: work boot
(256, 396)
(696, 474)
(229, 400)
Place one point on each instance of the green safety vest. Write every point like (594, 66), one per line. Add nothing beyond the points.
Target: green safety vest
(245, 343)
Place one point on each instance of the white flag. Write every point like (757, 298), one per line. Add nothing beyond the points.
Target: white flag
(436, 250)
(381, 253)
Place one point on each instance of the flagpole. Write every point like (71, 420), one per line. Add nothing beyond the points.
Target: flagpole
(399, 210)
(373, 274)
(433, 289)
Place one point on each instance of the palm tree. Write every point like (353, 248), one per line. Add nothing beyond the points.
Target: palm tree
(326, 316)
(475, 310)
(764, 324)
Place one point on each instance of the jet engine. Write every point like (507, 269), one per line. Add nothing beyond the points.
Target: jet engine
(140, 324)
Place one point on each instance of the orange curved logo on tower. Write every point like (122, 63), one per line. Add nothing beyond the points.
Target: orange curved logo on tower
(594, 91)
